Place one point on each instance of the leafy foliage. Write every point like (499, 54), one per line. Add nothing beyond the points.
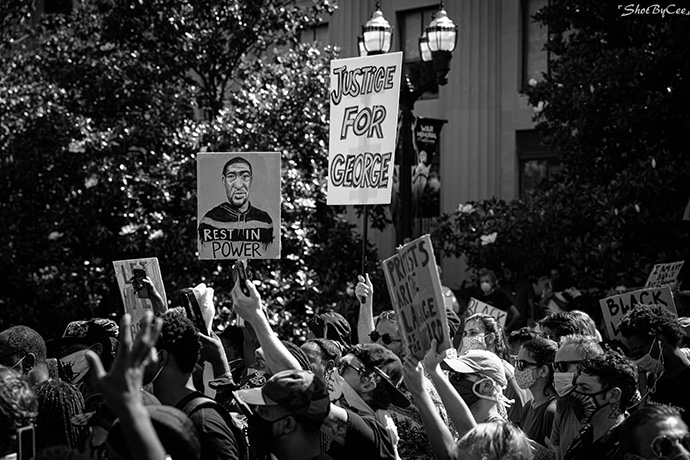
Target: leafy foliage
(102, 114)
(614, 107)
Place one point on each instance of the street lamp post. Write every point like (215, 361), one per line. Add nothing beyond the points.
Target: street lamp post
(435, 46)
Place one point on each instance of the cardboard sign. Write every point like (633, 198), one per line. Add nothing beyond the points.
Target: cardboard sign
(364, 96)
(663, 274)
(417, 297)
(615, 307)
(238, 205)
(137, 301)
(477, 306)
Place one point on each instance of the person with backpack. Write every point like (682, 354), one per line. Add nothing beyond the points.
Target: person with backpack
(171, 376)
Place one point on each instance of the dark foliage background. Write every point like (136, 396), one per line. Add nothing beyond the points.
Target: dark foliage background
(102, 113)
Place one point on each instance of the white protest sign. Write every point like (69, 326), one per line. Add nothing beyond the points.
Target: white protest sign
(476, 306)
(417, 297)
(364, 96)
(238, 205)
(135, 295)
(663, 274)
(615, 307)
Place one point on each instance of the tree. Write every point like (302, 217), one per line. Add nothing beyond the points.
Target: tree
(614, 107)
(102, 113)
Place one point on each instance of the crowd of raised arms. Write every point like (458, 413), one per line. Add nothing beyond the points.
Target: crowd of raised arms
(547, 382)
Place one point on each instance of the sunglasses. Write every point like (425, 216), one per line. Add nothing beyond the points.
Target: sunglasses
(662, 446)
(562, 366)
(521, 364)
(386, 338)
(343, 365)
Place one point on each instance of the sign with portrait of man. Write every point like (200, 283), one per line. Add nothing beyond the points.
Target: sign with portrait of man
(238, 198)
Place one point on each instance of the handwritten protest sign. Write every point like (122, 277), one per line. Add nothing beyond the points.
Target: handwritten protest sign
(476, 306)
(615, 307)
(364, 96)
(135, 296)
(238, 205)
(663, 274)
(417, 297)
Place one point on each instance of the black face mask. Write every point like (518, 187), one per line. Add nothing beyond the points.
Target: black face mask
(464, 387)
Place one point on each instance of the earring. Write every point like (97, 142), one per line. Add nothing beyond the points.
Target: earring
(614, 411)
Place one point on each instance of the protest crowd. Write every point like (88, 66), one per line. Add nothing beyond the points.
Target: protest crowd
(554, 384)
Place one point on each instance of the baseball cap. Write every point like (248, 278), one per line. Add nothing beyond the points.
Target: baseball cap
(482, 362)
(299, 391)
(175, 430)
(89, 332)
(386, 365)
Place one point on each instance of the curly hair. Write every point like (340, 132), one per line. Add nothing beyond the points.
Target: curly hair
(613, 370)
(565, 323)
(647, 414)
(491, 326)
(18, 407)
(543, 351)
(23, 340)
(497, 441)
(178, 337)
(650, 321)
(490, 273)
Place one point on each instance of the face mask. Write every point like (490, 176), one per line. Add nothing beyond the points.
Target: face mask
(585, 405)
(473, 343)
(563, 382)
(74, 366)
(465, 389)
(649, 364)
(525, 378)
(486, 287)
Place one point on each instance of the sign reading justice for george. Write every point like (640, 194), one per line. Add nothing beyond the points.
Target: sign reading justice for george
(415, 290)
(364, 98)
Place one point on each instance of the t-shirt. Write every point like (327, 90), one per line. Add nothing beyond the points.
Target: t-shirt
(497, 299)
(216, 438)
(520, 292)
(538, 421)
(674, 392)
(366, 439)
(566, 428)
(606, 447)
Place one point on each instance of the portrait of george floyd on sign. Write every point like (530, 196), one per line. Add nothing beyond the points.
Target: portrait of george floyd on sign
(364, 95)
(238, 205)
(615, 307)
(415, 289)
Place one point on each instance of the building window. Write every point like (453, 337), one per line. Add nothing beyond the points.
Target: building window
(412, 26)
(535, 58)
(537, 163)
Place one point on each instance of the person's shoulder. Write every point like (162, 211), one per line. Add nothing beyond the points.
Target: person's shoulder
(220, 213)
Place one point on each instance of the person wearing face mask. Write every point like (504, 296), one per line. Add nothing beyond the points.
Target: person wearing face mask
(655, 433)
(70, 351)
(566, 426)
(483, 332)
(479, 378)
(24, 350)
(533, 371)
(288, 413)
(605, 386)
(653, 335)
(488, 282)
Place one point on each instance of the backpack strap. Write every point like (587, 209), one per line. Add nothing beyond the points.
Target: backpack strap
(196, 401)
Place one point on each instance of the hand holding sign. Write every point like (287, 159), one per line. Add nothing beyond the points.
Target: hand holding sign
(364, 289)
(249, 308)
(432, 358)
